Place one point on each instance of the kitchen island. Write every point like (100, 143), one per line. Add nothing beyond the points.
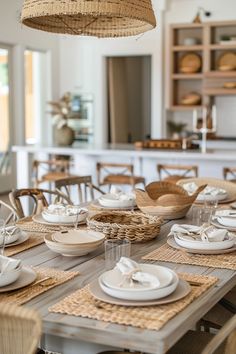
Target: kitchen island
(85, 157)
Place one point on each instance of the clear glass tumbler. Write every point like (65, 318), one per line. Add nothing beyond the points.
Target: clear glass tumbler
(2, 236)
(114, 250)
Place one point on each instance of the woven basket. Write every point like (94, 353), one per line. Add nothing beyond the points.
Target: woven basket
(136, 227)
(230, 187)
(165, 199)
(103, 18)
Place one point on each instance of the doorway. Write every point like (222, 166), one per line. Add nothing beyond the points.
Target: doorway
(129, 98)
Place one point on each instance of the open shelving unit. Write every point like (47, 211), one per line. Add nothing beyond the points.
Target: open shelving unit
(209, 80)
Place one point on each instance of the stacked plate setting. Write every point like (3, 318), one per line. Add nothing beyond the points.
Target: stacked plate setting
(114, 284)
(226, 218)
(64, 214)
(74, 242)
(13, 236)
(117, 200)
(210, 193)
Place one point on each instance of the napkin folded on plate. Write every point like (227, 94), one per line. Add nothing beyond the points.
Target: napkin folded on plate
(191, 188)
(131, 271)
(64, 210)
(118, 194)
(7, 264)
(203, 233)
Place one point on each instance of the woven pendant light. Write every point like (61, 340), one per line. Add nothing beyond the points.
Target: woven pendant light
(100, 18)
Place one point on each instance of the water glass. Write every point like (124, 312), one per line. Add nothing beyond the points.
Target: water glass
(2, 236)
(201, 215)
(114, 250)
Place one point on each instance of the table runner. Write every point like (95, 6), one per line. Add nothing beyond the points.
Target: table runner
(33, 240)
(23, 295)
(166, 253)
(82, 303)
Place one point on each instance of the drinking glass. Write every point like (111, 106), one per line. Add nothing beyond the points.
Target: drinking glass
(2, 236)
(114, 250)
(201, 215)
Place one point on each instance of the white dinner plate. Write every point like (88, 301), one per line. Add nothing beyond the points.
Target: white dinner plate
(64, 219)
(22, 238)
(215, 222)
(40, 220)
(152, 294)
(200, 245)
(113, 278)
(75, 237)
(10, 238)
(226, 217)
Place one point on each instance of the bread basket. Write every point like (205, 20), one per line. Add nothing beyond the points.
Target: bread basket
(165, 199)
(136, 227)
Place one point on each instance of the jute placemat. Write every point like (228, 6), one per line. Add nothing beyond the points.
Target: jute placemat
(166, 253)
(52, 277)
(33, 240)
(27, 224)
(82, 303)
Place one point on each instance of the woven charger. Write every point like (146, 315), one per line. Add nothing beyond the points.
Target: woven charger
(227, 61)
(190, 63)
(136, 227)
(230, 187)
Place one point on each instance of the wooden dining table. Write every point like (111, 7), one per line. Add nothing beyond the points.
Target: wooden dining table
(71, 335)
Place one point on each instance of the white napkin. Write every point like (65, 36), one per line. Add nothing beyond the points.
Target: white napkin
(131, 271)
(191, 188)
(7, 264)
(204, 233)
(118, 194)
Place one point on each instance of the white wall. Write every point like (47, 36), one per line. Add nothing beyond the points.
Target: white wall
(179, 11)
(82, 69)
(19, 37)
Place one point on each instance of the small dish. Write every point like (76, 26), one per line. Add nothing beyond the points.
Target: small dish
(200, 245)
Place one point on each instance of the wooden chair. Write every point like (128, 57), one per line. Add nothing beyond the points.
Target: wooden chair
(20, 329)
(38, 197)
(8, 212)
(84, 187)
(229, 174)
(195, 342)
(183, 172)
(55, 169)
(117, 174)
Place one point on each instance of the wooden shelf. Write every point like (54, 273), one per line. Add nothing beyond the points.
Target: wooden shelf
(197, 76)
(222, 46)
(212, 74)
(219, 91)
(184, 107)
(186, 48)
(186, 25)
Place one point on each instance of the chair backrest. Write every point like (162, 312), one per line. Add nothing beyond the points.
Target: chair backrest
(182, 170)
(7, 212)
(38, 197)
(54, 165)
(106, 168)
(228, 331)
(84, 187)
(20, 330)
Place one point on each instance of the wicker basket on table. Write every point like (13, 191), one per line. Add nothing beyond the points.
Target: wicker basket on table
(136, 227)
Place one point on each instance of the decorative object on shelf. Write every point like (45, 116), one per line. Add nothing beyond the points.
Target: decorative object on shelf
(63, 134)
(165, 199)
(190, 99)
(107, 18)
(229, 85)
(175, 128)
(226, 39)
(166, 144)
(190, 63)
(190, 41)
(201, 10)
(227, 61)
(206, 113)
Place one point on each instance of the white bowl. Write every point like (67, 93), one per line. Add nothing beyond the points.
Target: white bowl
(64, 219)
(113, 278)
(153, 294)
(10, 238)
(78, 237)
(70, 250)
(10, 276)
(226, 217)
(200, 245)
(110, 201)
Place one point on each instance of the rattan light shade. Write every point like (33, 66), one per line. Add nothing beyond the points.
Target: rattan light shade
(100, 18)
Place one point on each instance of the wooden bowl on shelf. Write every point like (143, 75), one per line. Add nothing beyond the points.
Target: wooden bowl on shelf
(229, 85)
(190, 63)
(227, 61)
(191, 99)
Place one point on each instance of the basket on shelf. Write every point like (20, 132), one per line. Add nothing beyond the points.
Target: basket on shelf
(190, 63)
(165, 199)
(136, 227)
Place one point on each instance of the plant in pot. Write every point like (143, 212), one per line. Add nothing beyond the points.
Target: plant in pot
(61, 112)
(175, 129)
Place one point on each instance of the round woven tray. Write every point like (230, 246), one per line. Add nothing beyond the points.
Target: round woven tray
(230, 187)
(136, 227)
(190, 63)
(227, 61)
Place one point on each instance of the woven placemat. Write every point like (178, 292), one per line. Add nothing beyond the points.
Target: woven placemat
(56, 277)
(33, 240)
(82, 303)
(166, 253)
(27, 224)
